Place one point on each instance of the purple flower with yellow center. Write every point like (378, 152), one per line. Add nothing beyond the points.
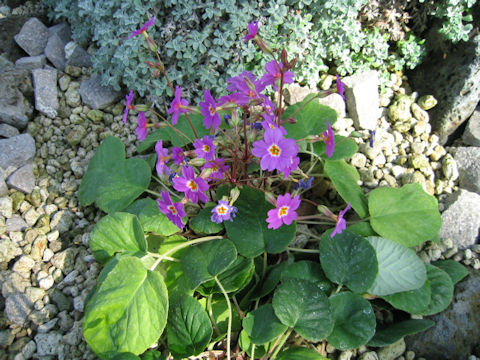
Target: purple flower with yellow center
(275, 151)
(128, 106)
(285, 212)
(269, 125)
(294, 161)
(173, 211)
(341, 223)
(274, 75)
(208, 108)
(193, 187)
(246, 84)
(223, 212)
(162, 159)
(177, 106)
(143, 28)
(329, 140)
(178, 155)
(218, 168)
(141, 126)
(252, 31)
(341, 88)
(205, 148)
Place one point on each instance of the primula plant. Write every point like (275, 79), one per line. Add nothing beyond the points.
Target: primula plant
(209, 264)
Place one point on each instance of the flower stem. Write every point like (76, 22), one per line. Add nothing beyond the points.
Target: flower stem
(229, 326)
(280, 344)
(309, 251)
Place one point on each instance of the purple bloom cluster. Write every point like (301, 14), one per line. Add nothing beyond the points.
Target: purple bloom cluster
(223, 212)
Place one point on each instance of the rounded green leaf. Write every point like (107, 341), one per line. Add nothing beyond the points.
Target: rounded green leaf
(117, 233)
(249, 229)
(345, 179)
(407, 215)
(112, 181)
(354, 321)
(307, 270)
(188, 328)
(205, 261)
(413, 301)
(246, 345)
(344, 148)
(350, 260)
(441, 286)
(454, 269)
(128, 310)
(300, 353)
(391, 334)
(270, 281)
(262, 325)
(399, 268)
(202, 223)
(151, 218)
(304, 306)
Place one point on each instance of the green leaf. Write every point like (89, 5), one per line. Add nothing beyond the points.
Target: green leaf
(344, 148)
(441, 290)
(354, 321)
(262, 325)
(202, 223)
(117, 233)
(249, 230)
(246, 344)
(270, 281)
(311, 118)
(455, 270)
(188, 328)
(413, 301)
(233, 279)
(300, 353)
(111, 181)
(345, 179)
(207, 260)
(350, 260)
(304, 306)
(220, 316)
(407, 215)
(151, 218)
(128, 310)
(362, 228)
(307, 270)
(391, 334)
(168, 134)
(399, 268)
(153, 355)
(123, 356)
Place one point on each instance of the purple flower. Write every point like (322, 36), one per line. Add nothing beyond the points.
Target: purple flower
(143, 28)
(294, 161)
(304, 184)
(223, 212)
(269, 125)
(341, 223)
(162, 159)
(128, 106)
(141, 126)
(252, 31)
(275, 151)
(341, 88)
(178, 155)
(208, 109)
(177, 105)
(329, 140)
(205, 148)
(174, 211)
(236, 98)
(274, 75)
(372, 138)
(192, 186)
(285, 212)
(247, 85)
(218, 168)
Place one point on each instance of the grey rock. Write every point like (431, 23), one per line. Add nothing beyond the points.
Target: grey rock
(391, 352)
(65, 321)
(62, 221)
(456, 330)
(454, 80)
(44, 315)
(72, 97)
(45, 84)
(335, 101)
(55, 52)
(17, 308)
(16, 151)
(369, 355)
(65, 260)
(468, 164)
(363, 101)
(74, 336)
(23, 266)
(471, 135)
(63, 302)
(29, 349)
(9, 27)
(97, 96)
(8, 131)
(295, 93)
(8, 250)
(6, 206)
(62, 30)
(77, 56)
(31, 62)
(49, 325)
(48, 344)
(461, 219)
(14, 283)
(16, 223)
(6, 338)
(22, 179)
(32, 37)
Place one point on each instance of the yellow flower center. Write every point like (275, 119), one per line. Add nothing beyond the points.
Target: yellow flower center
(206, 148)
(192, 185)
(274, 150)
(214, 168)
(172, 209)
(283, 211)
(221, 210)
(212, 110)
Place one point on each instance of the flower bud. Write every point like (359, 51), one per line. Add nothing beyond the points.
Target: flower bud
(197, 162)
(322, 209)
(142, 107)
(269, 197)
(151, 43)
(234, 194)
(263, 45)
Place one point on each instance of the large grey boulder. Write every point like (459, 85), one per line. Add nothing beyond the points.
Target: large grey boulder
(455, 83)
(9, 27)
(31, 62)
(22, 179)
(363, 100)
(468, 163)
(457, 329)
(97, 96)
(32, 37)
(77, 56)
(45, 85)
(461, 219)
(54, 51)
(471, 135)
(16, 151)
